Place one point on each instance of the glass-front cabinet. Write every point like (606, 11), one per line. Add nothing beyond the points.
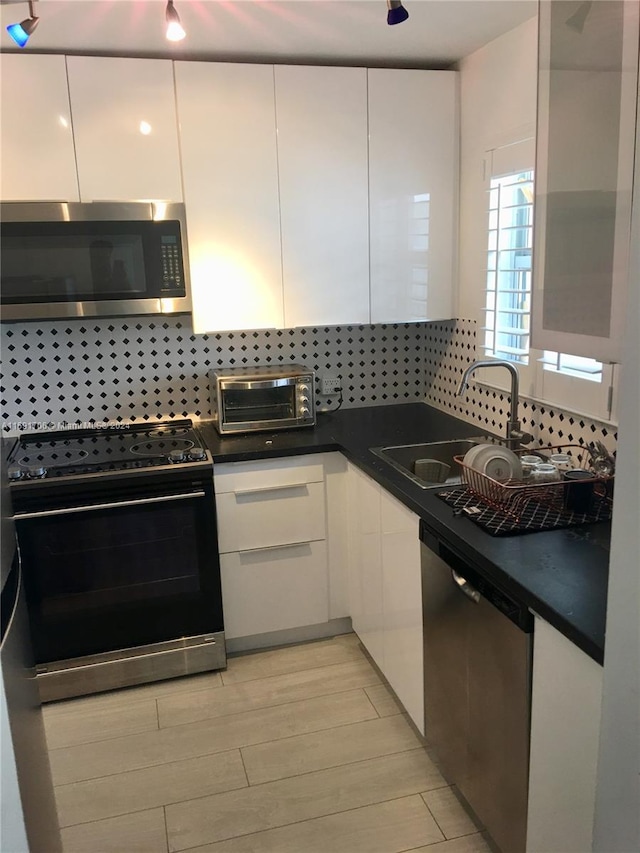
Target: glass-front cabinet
(587, 97)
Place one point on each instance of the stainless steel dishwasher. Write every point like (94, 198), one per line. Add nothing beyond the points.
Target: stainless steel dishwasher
(477, 681)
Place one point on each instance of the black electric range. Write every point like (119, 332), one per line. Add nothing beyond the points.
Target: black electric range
(100, 457)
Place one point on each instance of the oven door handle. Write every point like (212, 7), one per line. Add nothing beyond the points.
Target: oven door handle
(48, 513)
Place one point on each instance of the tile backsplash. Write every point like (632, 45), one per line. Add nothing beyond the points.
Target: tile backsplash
(140, 369)
(450, 347)
(61, 372)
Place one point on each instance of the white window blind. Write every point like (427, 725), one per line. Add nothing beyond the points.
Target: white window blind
(508, 289)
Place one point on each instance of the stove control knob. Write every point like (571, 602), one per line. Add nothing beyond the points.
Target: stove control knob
(176, 456)
(14, 474)
(197, 453)
(36, 472)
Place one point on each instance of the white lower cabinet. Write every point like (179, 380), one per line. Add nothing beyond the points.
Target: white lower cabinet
(272, 539)
(274, 588)
(385, 587)
(565, 725)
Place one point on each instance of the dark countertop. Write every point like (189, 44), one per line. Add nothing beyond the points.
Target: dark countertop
(561, 575)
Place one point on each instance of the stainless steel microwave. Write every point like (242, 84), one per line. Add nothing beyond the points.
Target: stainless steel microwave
(254, 399)
(98, 259)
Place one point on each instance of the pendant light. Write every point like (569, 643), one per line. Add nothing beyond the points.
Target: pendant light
(20, 32)
(175, 30)
(397, 13)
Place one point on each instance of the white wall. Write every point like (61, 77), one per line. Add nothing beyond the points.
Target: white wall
(498, 85)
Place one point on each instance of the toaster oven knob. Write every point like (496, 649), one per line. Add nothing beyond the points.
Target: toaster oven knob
(176, 456)
(303, 389)
(304, 411)
(197, 453)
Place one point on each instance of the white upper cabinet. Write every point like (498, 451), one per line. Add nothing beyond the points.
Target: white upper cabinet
(226, 114)
(322, 155)
(588, 78)
(36, 140)
(125, 128)
(413, 164)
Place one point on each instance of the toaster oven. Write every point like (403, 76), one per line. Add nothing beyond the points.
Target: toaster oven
(255, 399)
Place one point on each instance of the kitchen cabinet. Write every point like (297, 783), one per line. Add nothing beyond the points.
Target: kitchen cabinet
(322, 157)
(402, 605)
(272, 541)
(385, 587)
(413, 163)
(226, 113)
(587, 84)
(125, 129)
(365, 562)
(565, 726)
(37, 160)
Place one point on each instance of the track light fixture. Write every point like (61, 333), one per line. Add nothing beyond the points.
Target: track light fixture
(175, 30)
(397, 13)
(20, 32)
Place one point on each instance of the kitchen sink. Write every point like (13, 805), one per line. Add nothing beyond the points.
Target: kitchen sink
(410, 460)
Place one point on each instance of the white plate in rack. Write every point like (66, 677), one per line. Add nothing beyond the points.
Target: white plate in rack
(498, 463)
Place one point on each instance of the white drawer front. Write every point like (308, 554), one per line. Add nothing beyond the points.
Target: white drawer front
(274, 589)
(259, 516)
(234, 476)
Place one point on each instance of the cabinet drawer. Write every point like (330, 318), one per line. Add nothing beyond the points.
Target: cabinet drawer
(266, 515)
(263, 473)
(274, 589)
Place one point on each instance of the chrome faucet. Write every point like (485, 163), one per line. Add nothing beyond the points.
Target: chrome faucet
(515, 436)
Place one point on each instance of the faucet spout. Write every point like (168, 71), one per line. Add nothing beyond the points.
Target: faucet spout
(514, 434)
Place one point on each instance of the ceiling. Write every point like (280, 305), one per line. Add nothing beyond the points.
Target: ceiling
(355, 32)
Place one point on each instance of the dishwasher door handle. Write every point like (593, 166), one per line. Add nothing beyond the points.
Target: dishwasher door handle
(465, 587)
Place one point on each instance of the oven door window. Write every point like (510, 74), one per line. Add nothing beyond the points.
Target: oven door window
(259, 404)
(119, 577)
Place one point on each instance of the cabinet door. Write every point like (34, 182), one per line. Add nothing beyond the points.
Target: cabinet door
(125, 128)
(274, 589)
(36, 141)
(402, 606)
(413, 156)
(588, 76)
(565, 729)
(230, 171)
(365, 575)
(322, 156)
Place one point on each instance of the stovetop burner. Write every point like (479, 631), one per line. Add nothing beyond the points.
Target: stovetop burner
(163, 446)
(47, 456)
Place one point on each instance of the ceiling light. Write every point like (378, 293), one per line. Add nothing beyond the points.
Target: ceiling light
(20, 32)
(397, 13)
(175, 31)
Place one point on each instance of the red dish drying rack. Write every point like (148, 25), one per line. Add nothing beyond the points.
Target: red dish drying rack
(513, 496)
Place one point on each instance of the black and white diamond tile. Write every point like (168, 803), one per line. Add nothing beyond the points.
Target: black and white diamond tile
(142, 369)
(450, 347)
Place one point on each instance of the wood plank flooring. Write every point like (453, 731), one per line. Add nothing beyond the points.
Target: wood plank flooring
(295, 750)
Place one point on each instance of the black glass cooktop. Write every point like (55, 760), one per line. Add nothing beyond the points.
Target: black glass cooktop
(88, 451)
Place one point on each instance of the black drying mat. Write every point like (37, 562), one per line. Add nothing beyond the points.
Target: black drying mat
(535, 515)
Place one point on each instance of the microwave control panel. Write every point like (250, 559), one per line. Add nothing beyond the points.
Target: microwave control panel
(172, 272)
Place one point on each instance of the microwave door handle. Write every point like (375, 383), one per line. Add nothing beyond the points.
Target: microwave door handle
(67, 510)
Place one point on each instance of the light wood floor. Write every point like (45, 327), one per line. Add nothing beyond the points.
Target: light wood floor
(296, 750)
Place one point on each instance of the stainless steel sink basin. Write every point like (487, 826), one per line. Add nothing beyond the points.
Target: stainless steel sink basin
(405, 456)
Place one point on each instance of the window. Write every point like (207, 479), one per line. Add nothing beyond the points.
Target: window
(573, 382)
(508, 294)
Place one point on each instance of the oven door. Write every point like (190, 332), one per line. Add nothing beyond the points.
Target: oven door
(121, 572)
(258, 405)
